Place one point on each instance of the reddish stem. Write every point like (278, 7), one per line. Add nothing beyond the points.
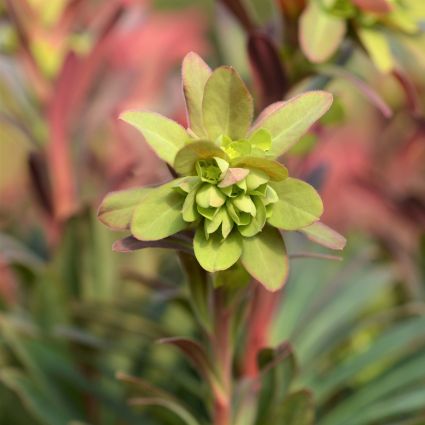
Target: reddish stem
(262, 310)
(223, 353)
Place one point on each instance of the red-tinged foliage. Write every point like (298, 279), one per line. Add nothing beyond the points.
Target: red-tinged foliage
(374, 6)
(132, 51)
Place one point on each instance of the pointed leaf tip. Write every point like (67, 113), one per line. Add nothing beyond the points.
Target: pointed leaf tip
(165, 136)
(288, 121)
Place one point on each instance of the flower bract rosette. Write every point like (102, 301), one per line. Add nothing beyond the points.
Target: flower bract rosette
(232, 194)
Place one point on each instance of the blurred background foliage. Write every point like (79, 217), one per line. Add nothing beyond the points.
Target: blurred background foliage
(350, 335)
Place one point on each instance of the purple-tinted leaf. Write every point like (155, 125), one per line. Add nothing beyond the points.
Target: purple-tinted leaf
(324, 235)
(239, 11)
(267, 67)
(130, 244)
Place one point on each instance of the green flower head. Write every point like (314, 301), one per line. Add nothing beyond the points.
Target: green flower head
(231, 191)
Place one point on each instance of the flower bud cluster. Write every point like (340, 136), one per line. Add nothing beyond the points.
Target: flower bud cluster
(223, 198)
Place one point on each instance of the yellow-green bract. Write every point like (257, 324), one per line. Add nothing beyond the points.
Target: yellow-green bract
(232, 192)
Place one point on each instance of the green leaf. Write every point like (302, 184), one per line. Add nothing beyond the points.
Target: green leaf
(261, 139)
(324, 235)
(227, 105)
(297, 409)
(163, 135)
(257, 223)
(186, 158)
(216, 253)
(288, 121)
(299, 205)
(378, 47)
(117, 208)
(159, 214)
(278, 368)
(171, 405)
(320, 32)
(195, 73)
(273, 169)
(36, 401)
(210, 196)
(264, 257)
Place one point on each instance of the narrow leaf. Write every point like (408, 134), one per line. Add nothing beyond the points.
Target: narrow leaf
(117, 208)
(264, 257)
(297, 409)
(130, 244)
(163, 135)
(195, 73)
(320, 32)
(288, 121)
(378, 47)
(170, 405)
(324, 235)
(227, 105)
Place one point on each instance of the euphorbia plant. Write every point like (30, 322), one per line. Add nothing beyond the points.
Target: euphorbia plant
(228, 206)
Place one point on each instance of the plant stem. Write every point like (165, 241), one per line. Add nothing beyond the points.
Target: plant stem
(223, 357)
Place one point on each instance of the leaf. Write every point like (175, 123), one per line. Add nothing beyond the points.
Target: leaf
(378, 48)
(163, 135)
(170, 405)
(374, 6)
(195, 73)
(215, 253)
(368, 91)
(277, 368)
(273, 169)
(288, 121)
(299, 205)
(199, 358)
(227, 105)
(324, 235)
(297, 409)
(159, 215)
(320, 33)
(117, 208)
(187, 157)
(264, 257)
(36, 401)
(130, 244)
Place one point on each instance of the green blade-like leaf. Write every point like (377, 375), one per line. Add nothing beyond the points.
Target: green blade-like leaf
(299, 205)
(187, 157)
(195, 73)
(378, 47)
(273, 169)
(171, 405)
(409, 372)
(324, 235)
(159, 214)
(264, 257)
(320, 32)
(163, 135)
(278, 368)
(227, 105)
(297, 409)
(33, 399)
(117, 208)
(215, 253)
(288, 121)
